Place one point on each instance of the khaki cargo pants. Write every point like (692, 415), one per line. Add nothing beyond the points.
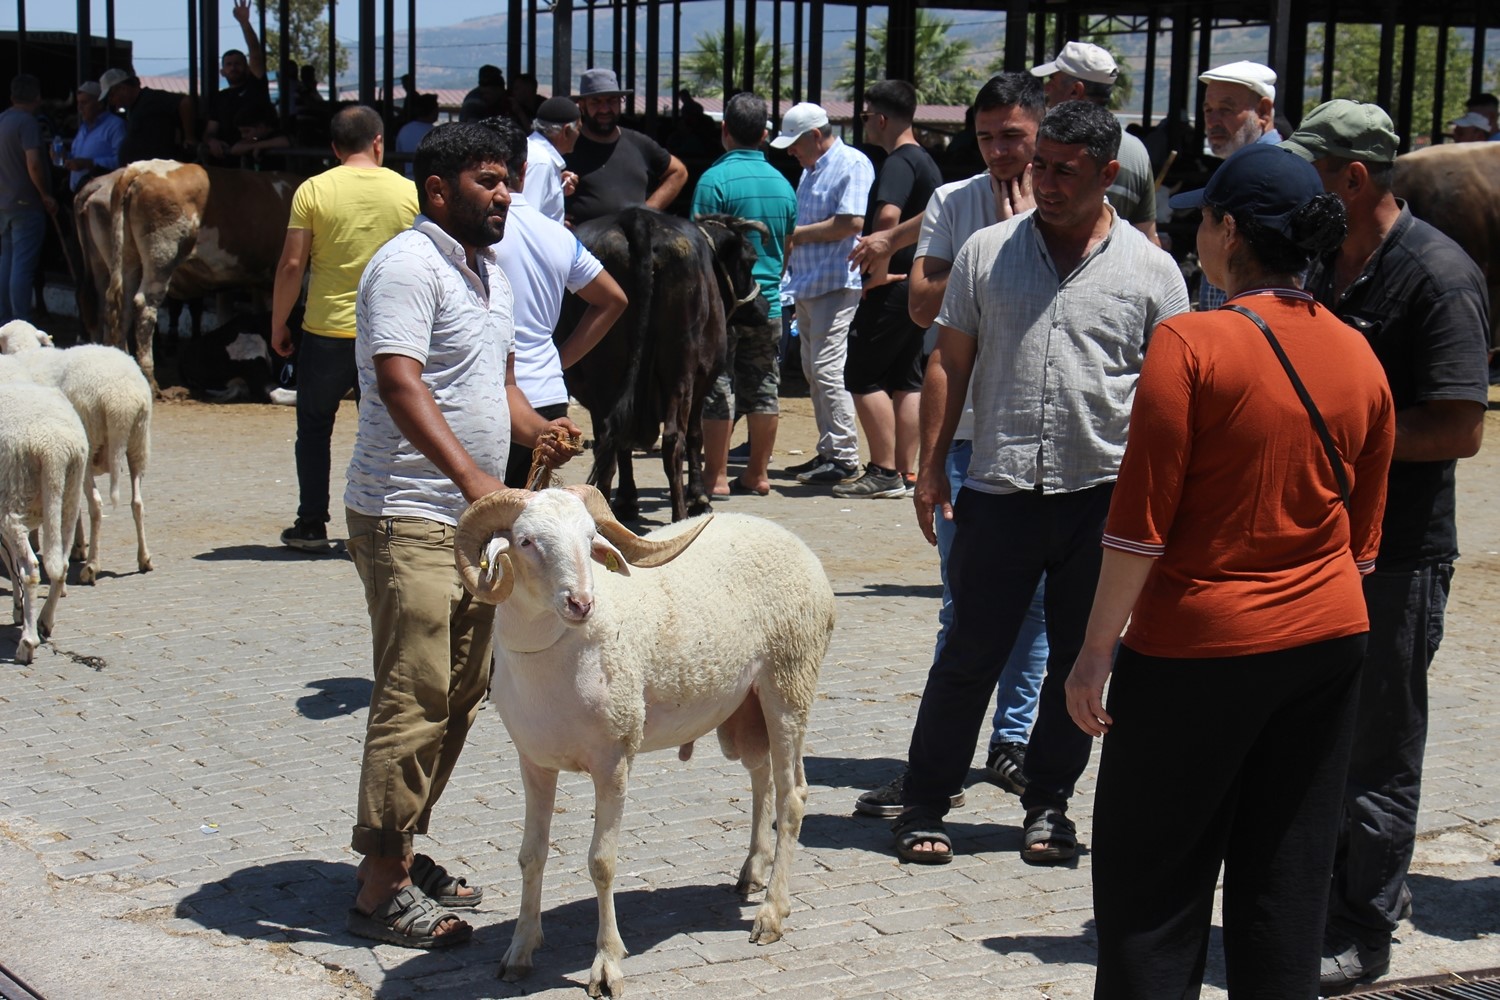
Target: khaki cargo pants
(432, 665)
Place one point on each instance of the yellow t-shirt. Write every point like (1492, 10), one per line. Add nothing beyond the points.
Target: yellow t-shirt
(351, 212)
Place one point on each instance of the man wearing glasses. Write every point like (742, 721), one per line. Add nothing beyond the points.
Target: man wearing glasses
(617, 167)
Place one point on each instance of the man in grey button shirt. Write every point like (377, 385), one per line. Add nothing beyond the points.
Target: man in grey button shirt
(1049, 313)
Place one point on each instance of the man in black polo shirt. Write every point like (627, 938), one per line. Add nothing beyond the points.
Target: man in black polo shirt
(158, 125)
(1422, 304)
(617, 167)
(884, 369)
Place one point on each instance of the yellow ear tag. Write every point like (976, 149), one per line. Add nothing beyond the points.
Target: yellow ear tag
(611, 563)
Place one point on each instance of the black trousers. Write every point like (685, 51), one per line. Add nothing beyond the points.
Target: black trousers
(1234, 760)
(518, 462)
(1002, 544)
(1385, 769)
(326, 372)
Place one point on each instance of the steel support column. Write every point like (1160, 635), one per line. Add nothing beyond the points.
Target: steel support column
(1039, 39)
(109, 33)
(588, 34)
(796, 52)
(861, 26)
(630, 56)
(366, 52)
(617, 35)
(333, 51)
(562, 48)
(514, 20)
(901, 41)
(1177, 83)
(1386, 80)
(815, 59)
(531, 15)
(1330, 45)
(1439, 91)
(1148, 84)
(283, 57)
(676, 53)
(192, 13)
(747, 74)
(653, 64)
(1476, 75)
(1292, 92)
(387, 63)
(1015, 35)
(208, 49)
(727, 61)
(1281, 31)
(775, 60)
(84, 43)
(1205, 53)
(411, 39)
(1408, 84)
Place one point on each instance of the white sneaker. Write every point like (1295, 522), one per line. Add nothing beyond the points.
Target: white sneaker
(284, 397)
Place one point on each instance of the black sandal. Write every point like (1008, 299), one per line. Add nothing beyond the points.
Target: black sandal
(1051, 826)
(435, 882)
(918, 826)
(409, 919)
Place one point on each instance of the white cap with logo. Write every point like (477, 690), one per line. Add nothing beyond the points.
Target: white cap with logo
(1083, 61)
(800, 119)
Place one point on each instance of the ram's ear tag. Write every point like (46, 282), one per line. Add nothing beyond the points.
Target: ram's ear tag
(611, 562)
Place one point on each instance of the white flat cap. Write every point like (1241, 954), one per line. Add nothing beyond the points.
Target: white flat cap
(1471, 120)
(1081, 60)
(1259, 78)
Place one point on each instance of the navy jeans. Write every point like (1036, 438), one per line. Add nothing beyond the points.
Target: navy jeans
(325, 373)
(1002, 546)
(21, 235)
(1385, 771)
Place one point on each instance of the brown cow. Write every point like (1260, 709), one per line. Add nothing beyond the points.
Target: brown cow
(191, 230)
(1456, 188)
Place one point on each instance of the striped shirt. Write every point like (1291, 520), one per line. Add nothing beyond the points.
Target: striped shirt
(742, 183)
(838, 184)
(1058, 357)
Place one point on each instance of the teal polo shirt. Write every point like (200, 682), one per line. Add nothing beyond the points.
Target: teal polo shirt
(742, 183)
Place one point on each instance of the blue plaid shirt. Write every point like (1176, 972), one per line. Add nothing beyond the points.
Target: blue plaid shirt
(838, 184)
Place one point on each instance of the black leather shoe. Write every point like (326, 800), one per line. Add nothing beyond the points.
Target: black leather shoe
(1347, 963)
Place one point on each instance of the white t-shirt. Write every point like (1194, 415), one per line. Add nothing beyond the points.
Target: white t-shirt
(541, 258)
(419, 299)
(544, 166)
(955, 212)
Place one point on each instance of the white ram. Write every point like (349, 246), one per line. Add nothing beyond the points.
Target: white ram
(589, 672)
(43, 454)
(113, 399)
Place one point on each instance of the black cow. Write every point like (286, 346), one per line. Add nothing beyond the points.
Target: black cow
(655, 366)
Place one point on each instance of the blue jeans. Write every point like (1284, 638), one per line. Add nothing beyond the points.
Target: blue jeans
(1385, 771)
(1021, 678)
(21, 236)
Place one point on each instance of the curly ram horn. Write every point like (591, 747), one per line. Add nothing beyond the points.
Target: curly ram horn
(638, 551)
(476, 526)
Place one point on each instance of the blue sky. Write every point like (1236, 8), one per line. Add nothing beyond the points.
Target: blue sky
(159, 27)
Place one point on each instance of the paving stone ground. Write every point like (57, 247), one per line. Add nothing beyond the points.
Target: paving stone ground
(177, 774)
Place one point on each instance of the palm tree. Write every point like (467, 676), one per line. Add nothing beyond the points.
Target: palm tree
(703, 68)
(943, 72)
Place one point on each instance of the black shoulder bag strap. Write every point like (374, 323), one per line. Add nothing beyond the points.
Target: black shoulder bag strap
(1332, 450)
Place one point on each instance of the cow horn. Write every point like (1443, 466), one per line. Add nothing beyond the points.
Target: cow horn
(486, 516)
(638, 551)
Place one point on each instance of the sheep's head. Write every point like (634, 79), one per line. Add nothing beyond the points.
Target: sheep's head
(550, 538)
(19, 335)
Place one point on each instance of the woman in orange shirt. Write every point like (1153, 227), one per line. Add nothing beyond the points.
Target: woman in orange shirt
(1235, 543)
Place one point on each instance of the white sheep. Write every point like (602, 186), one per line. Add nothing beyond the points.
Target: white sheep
(589, 672)
(113, 399)
(43, 454)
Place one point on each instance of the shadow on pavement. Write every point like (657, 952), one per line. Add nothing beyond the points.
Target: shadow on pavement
(1459, 909)
(267, 553)
(335, 696)
(301, 901)
(894, 590)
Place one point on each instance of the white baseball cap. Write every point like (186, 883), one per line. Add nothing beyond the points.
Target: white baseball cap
(1259, 78)
(799, 119)
(1471, 120)
(1081, 60)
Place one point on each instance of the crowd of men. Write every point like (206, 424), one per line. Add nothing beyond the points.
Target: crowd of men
(984, 336)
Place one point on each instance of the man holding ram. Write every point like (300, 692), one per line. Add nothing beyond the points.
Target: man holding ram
(439, 405)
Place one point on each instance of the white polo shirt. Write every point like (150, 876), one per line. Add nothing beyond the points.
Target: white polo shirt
(544, 166)
(542, 259)
(419, 299)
